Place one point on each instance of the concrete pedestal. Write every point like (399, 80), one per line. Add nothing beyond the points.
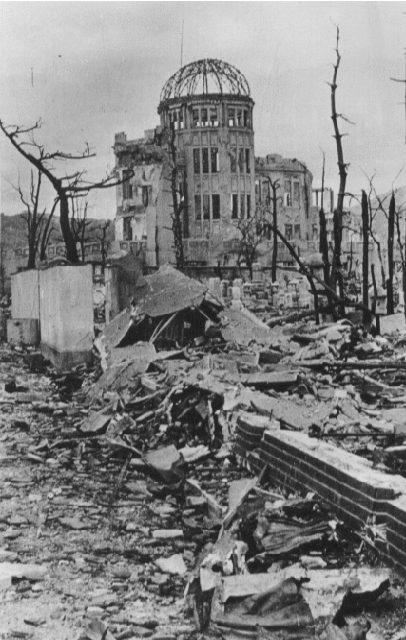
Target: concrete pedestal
(66, 315)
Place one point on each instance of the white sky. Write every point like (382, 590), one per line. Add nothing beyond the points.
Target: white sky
(98, 68)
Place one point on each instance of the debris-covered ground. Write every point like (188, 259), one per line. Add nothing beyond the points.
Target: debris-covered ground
(125, 513)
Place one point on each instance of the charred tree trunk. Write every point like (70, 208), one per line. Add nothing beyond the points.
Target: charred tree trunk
(365, 247)
(275, 226)
(390, 306)
(71, 250)
(177, 206)
(336, 271)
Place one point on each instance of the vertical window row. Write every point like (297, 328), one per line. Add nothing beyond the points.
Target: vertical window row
(238, 117)
(206, 160)
(244, 160)
(240, 205)
(207, 206)
(205, 117)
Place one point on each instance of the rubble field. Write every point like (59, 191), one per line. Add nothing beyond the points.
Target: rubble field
(130, 507)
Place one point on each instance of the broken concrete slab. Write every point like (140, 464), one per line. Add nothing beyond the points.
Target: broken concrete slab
(175, 565)
(96, 422)
(167, 462)
(11, 570)
(395, 323)
(243, 328)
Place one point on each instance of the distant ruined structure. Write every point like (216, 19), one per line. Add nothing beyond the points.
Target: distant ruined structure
(206, 114)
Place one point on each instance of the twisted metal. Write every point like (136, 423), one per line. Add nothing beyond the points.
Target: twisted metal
(203, 77)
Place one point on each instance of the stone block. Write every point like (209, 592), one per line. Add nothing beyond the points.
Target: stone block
(25, 294)
(395, 323)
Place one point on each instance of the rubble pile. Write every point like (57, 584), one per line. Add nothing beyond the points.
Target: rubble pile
(126, 512)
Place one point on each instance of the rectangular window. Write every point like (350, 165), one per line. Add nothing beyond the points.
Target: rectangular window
(234, 205)
(205, 159)
(215, 206)
(214, 159)
(181, 122)
(296, 192)
(248, 206)
(206, 206)
(297, 231)
(127, 186)
(205, 119)
(288, 193)
(127, 231)
(288, 231)
(214, 121)
(233, 160)
(145, 196)
(242, 205)
(198, 207)
(239, 118)
(247, 119)
(195, 118)
(196, 160)
(175, 119)
(247, 161)
(231, 117)
(241, 160)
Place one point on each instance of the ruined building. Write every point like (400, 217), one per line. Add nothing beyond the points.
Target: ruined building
(200, 160)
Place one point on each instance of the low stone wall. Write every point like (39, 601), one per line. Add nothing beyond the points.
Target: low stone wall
(357, 493)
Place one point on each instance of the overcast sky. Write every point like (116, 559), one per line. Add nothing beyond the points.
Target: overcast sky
(91, 69)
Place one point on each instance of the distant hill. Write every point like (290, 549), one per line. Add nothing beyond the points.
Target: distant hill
(14, 230)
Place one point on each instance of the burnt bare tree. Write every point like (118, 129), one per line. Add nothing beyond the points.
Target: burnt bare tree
(365, 254)
(102, 238)
(275, 200)
(81, 226)
(323, 242)
(37, 221)
(252, 231)
(179, 194)
(390, 303)
(401, 242)
(336, 267)
(67, 186)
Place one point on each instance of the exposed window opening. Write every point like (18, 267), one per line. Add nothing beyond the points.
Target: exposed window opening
(231, 117)
(206, 206)
(233, 160)
(247, 161)
(127, 230)
(296, 192)
(196, 160)
(214, 121)
(181, 120)
(214, 159)
(241, 160)
(195, 118)
(205, 159)
(239, 118)
(288, 231)
(242, 205)
(205, 119)
(234, 205)
(297, 231)
(127, 186)
(215, 206)
(248, 206)
(198, 207)
(247, 119)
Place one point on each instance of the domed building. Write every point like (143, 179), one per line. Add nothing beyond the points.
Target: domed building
(198, 163)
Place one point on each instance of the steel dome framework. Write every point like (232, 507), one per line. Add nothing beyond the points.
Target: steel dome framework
(204, 77)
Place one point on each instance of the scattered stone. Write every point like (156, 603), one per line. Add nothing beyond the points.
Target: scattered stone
(167, 534)
(175, 565)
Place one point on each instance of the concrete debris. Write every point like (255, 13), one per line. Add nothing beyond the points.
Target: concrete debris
(10, 571)
(262, 467)
(175, 565)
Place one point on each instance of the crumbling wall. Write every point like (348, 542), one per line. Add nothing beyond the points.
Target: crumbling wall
(358, 493)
